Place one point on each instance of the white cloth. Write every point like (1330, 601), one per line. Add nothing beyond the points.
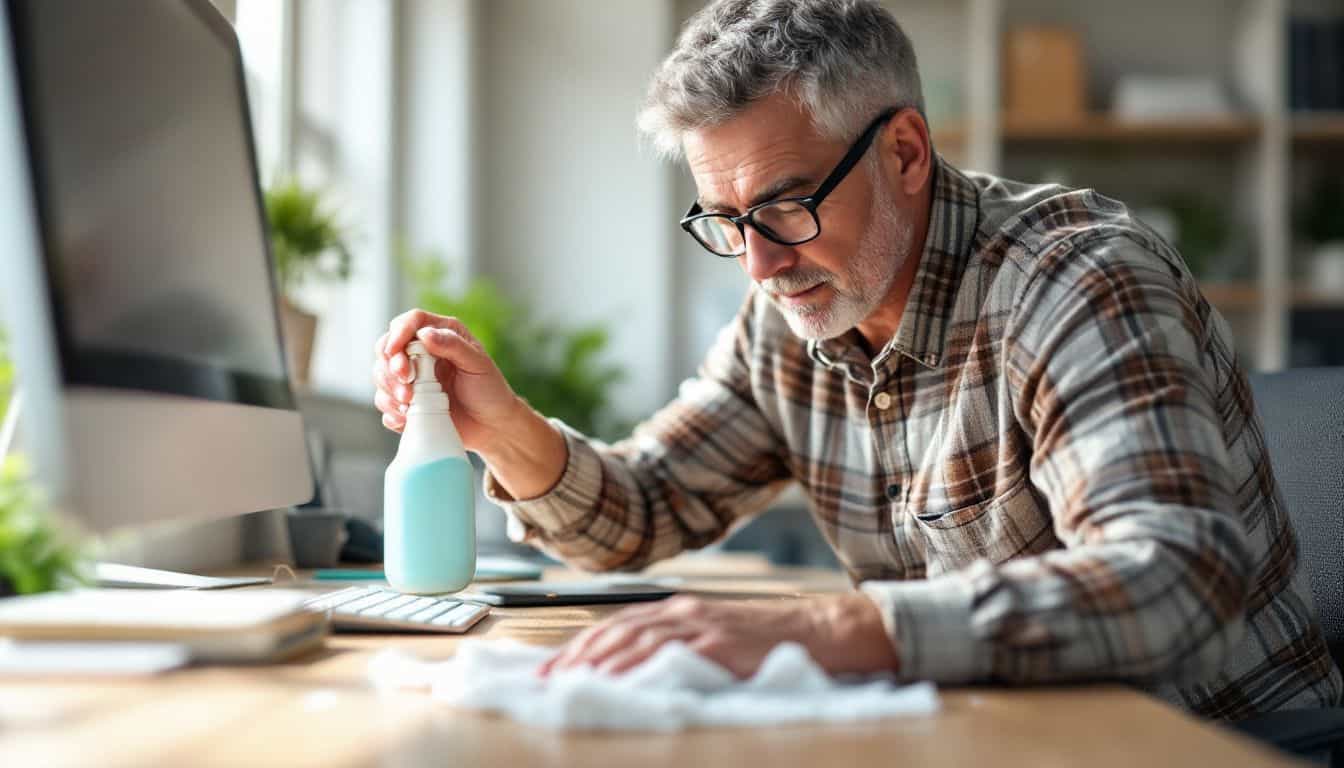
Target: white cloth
(676, 688)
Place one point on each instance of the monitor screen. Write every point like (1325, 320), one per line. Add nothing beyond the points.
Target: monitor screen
(147, 196)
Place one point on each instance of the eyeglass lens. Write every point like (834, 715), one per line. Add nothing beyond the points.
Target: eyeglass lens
(787, 222)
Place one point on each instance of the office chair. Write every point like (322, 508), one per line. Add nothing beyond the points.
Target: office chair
(1302, 412)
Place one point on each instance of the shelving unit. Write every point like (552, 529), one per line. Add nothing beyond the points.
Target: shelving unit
(1101, 128)
(1319, 128)
(1251, 163)
(1242, 296)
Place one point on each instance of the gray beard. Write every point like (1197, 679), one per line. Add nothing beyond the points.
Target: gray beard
(866, 279)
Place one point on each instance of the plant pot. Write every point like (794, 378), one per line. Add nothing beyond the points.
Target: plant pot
(300, 330)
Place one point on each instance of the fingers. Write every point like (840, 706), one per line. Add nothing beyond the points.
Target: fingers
(449, 344)
(388, 405)
(403, 328)
(444, 337)
(644, 630)
(394, 413)
(385, 382)
(392, 397)
(571, 649)
(382, 362)
(625, 659)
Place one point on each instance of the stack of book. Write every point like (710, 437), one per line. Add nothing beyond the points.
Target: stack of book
(1316, 64)
(246, 625)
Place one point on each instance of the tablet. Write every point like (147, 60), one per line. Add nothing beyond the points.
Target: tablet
(568, 593)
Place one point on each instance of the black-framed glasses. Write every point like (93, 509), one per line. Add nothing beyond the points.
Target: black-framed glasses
(787, 221)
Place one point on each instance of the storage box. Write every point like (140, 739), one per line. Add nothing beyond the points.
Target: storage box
(1045, 78)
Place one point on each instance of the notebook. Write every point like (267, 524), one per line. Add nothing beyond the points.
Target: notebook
(241, 626)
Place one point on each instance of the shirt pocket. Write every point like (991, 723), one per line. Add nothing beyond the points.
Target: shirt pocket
(1011, 524)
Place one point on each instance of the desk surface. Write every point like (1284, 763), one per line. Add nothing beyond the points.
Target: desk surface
(319, 711)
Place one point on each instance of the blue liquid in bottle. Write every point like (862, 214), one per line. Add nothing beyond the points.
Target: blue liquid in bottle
(434, 538)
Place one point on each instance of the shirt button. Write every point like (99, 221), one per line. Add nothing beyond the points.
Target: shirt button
(882, 401)
(894, 491)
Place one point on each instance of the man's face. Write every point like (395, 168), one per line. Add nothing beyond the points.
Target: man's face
(828, 285)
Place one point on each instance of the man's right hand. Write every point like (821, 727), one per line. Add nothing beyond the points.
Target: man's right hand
(525, 452)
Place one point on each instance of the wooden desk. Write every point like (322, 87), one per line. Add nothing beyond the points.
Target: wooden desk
(319, 711)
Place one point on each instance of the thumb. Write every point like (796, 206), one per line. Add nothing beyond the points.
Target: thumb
(450, 345)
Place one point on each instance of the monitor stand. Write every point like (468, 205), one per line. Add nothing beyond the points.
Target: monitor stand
(127, 576)
(133, 577)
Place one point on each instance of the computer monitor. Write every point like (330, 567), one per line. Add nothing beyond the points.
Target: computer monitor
(135, 276)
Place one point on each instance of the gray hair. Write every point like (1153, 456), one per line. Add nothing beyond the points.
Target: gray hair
(844, 61)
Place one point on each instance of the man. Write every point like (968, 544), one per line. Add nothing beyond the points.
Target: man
(1020, 425)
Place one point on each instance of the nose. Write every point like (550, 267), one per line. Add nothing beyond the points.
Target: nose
(764, 259)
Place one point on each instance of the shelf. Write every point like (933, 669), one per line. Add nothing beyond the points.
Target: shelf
(1107, 129)
(1232, 296)
(1246, 297)
(1308, 298)
(1318, 127)
(1103, 128)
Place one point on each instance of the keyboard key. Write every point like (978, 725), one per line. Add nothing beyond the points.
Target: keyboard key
(366, 602)
(458, 616)
(332, 599)
(370, 608)
(413, 607)
(388, 605)
(440, 607)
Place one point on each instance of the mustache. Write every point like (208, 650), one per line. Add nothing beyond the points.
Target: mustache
(795, 281)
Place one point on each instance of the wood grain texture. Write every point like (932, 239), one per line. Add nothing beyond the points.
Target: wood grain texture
(320, 711)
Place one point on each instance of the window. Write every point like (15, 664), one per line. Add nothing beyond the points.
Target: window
(263, 28)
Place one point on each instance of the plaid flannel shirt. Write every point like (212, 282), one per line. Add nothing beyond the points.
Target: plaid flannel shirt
(1053, 472)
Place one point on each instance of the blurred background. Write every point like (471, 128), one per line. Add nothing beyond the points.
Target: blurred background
(495, 139)
(479, 157)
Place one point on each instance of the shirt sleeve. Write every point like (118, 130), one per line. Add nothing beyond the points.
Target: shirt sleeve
(686, 475)
(1107, 362)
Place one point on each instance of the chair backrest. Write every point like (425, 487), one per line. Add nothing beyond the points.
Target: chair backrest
(1302, 411)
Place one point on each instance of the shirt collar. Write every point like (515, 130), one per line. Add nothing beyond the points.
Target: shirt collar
(953, 218)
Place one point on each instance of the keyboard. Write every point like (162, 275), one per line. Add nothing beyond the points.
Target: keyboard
(365, 609)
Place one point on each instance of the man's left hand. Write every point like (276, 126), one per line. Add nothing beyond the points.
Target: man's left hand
(842, 633)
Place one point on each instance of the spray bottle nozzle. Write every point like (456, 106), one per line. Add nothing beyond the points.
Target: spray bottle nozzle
(426, 389)
(422, 363)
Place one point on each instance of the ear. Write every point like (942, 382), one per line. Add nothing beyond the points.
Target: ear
(906, 152)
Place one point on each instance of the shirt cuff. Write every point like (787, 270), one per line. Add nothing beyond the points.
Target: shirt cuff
(566, 505)
(929, 622)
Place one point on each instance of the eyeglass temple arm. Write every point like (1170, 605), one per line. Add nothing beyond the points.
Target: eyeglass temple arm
(842, 170)
(852, 157)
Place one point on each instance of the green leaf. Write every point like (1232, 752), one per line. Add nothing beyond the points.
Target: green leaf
(559, 370)
(36, 553)
(306, 240)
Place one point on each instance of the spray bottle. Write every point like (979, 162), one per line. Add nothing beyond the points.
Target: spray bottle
(429, 517)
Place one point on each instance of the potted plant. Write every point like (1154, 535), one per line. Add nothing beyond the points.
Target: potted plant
(308, 243)
(35, 554)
